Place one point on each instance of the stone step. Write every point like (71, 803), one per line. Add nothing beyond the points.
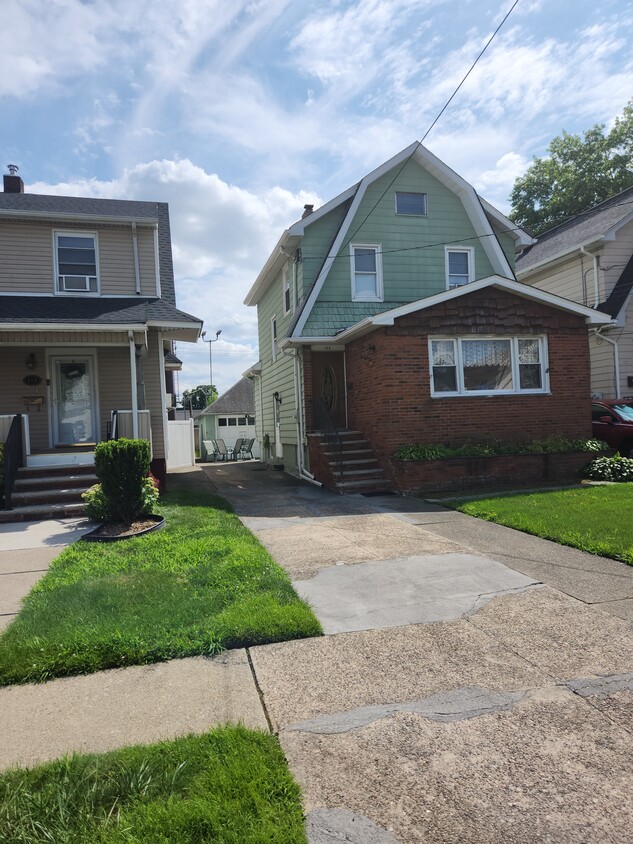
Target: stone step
(53, 482)
(353, 451)
(353, 463)
(359, 473)
(366, 485)
(48, 496)
(38, 512)
(55, 471)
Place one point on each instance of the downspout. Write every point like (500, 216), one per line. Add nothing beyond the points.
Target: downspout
(616, 361)
(303, 472)
(137, 271)
(596, 291)
(130, 335)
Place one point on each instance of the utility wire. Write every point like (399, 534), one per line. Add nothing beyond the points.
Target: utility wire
(440, 113)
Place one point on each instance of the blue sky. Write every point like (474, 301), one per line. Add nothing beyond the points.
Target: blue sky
(238, 113)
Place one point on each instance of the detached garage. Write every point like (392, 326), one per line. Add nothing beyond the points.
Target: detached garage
(230, 417)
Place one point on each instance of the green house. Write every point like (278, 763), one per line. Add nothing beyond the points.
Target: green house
(392, 315)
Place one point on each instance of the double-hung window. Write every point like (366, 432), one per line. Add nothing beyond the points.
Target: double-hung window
(76, 262)
(366, 269)
(273, 338)
(484, 366)
(460, 266)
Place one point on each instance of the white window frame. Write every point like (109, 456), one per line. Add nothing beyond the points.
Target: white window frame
(514, 354)
(411, 193)
(379, 296)
(273, 337)
(471, 264)
(59, 291)
(286, 295)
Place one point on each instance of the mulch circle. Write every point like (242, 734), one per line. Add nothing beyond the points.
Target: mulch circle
(117, 530)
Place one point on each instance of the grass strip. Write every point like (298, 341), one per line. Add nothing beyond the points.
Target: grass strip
(201, 585)
(595, 519)
(230, 786)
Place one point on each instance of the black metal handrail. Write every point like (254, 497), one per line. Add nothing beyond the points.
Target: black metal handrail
(323, 424)
(12, 458)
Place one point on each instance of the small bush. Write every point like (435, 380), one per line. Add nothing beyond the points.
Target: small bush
(122, 467)
(497, 448)
(617, 468)
(96, 504)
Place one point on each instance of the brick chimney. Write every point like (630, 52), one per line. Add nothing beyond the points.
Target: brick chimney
(307, 210)
(13, 183)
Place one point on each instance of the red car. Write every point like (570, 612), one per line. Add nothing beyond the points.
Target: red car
(612, 421)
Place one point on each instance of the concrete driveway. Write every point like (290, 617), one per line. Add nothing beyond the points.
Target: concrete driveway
(477, 685)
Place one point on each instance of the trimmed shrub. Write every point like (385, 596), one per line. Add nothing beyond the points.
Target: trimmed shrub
(499, 448)
(617, 468)
(122, 467)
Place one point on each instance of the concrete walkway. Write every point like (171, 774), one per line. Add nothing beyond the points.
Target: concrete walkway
(26, 551)
(473, 689)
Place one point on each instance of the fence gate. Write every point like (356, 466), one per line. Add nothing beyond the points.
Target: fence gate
(181, 443)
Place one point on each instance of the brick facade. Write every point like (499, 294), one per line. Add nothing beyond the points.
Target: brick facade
(388, 379)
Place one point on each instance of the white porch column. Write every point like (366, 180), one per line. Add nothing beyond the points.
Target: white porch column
(133, 385)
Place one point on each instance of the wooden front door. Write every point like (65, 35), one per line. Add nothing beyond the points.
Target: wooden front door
(328, 379)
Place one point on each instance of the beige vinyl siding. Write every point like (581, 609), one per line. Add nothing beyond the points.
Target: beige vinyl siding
(615, 256)
(566, 279)
(153, 373)
(13, 391)
(114, 383)
(27, 264)
(413, 247)
(28, 257)
(602, 368)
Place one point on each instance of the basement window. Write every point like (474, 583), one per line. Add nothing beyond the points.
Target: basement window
(488, 366)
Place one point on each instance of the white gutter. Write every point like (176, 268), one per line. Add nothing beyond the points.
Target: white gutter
(93, 218)
(133, 385)
(70, 326)
(596, 292)
(137, 271)
(616, 360)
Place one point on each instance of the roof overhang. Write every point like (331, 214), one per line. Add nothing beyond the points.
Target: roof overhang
(594, 243)
(189, 332)
(282, 253)
(522, 238)
(253, 371)
(388, 318)
(62, 216)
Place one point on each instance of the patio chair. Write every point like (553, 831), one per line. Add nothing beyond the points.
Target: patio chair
(210, 449)
(247, 449)
(222, 451)
(237, 448)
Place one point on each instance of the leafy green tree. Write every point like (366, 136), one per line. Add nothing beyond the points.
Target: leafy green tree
(200, 397)
(578, 173)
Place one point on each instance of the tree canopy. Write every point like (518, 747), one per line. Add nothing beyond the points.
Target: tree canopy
(578, 173)
(200, 397)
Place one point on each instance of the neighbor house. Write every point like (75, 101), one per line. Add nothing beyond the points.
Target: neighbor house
(230, 417)
(393, 313)
(88, 318)
(589, 259)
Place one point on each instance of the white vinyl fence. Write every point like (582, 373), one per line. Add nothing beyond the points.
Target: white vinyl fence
(181, 443)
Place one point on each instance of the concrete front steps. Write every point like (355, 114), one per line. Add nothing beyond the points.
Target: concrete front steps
(52, 492)
(361, 471)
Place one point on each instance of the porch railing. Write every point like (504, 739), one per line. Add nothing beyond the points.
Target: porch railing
(13, 449)
(323, 424)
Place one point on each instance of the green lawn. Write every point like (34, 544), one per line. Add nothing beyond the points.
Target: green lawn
(596, 518)
(230, 786)
(202, 584)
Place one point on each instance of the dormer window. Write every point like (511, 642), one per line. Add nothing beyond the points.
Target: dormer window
(76, 262)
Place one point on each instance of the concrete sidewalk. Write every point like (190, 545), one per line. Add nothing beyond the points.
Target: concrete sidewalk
(457, 698)
(26, 551)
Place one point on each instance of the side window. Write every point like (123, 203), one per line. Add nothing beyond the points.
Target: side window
(273, 338)
(460, 266)
(411, 204)
(366, 267)
(285, 284)
(76, 262)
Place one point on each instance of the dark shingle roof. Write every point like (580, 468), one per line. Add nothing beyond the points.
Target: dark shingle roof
(620, 293)
(170, 357)
(81, 310)
(73, 206)
(238, 399)
(585, 227)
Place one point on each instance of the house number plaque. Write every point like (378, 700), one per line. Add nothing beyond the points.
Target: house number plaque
(32, 380)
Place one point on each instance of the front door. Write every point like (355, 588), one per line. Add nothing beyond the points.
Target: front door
(329, 384)
(73, 411)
